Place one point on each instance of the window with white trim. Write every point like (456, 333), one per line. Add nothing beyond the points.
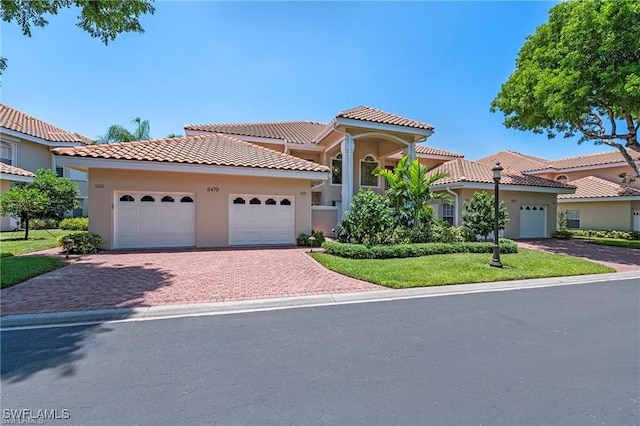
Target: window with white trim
(367, 165)
(448, 212)
(573, 219)
(8, 153)
(562, 178)
(336, 169)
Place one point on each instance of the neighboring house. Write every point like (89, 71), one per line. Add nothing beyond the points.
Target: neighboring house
(605, 197)
(25, 144)
(255, 183)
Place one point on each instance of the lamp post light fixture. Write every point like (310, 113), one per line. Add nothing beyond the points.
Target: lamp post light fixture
(312, 240)
(497, 169)
(68, 245)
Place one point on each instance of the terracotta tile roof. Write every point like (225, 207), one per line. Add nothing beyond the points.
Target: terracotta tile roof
(11, 170)
(291, 131)
(461, 170)
(12, 119)
(608, 157)
(365, 113)
(595, 187)
(429, 150)
(214, 149)
(515, 160)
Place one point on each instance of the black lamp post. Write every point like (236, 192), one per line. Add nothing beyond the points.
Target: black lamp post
(496, 243)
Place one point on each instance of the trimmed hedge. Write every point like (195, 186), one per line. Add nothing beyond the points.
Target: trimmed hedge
(83, 242)
(75, 224)
(360, 251)
(609, 233)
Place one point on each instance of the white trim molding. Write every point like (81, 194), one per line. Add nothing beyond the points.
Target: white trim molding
(15, 178)
(503, 187)
(349, 122)
(598, 199)
(40, 140)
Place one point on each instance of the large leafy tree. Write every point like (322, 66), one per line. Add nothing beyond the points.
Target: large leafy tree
(118, 133)
(61, 192)
(24, 204)
(479, 213)
(410, 191)
(101, 19)
(579, 74)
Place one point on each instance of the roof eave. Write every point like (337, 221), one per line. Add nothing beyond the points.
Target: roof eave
(15, 178)
(503, 187)
(599, 199)
(349, 122)
(41, 141)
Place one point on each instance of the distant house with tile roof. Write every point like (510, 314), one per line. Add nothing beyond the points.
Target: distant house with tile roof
(25, 147)
(603, 199)
(264, 183)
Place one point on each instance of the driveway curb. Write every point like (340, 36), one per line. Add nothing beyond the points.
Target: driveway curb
(168, 311)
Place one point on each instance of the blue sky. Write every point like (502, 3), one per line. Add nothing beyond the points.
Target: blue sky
(215, 62)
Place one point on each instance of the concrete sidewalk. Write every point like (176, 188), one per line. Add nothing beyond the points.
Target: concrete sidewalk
(156, 312)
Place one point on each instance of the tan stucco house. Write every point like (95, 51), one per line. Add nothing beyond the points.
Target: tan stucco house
(264, 183)
(605, 196)
(25, 147)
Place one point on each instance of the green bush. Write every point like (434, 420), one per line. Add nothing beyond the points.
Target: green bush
(83, 242)
(563, 234)
(48, 223)
(610, 233)
(368, 221)
(75, 224)
(360, 251)
(302, 239)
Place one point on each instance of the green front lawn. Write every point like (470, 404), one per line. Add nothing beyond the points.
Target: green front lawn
(616, 242)
(17, 269)
(12, 243)
(460, 268)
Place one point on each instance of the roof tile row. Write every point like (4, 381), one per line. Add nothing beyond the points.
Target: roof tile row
(12, 119)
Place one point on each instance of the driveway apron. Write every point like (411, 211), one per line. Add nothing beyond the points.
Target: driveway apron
(155, 278)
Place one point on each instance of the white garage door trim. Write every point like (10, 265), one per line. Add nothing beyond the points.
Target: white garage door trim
(533, 221)
(261, 219)
(169, 220)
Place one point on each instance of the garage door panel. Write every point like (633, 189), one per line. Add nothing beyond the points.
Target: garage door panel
(269, 222)
(533, 221)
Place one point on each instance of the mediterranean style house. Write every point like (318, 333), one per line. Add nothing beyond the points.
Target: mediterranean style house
(25, 147)
(264, 183)
(606, 195)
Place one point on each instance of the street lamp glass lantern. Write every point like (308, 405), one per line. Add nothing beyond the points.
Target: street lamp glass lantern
(497, 170)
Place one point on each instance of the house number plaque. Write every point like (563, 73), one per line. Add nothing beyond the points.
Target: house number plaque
(213, 189)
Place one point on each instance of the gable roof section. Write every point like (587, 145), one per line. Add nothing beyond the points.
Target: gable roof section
(6, 169)
(595, 187)
(429, 150)
(515, 160)
(213, 150)
(372, 115)
(290, 131)
(12, 119)
(609, 157)
(461, 171)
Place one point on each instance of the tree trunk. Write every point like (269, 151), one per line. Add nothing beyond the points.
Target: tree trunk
(26, 228)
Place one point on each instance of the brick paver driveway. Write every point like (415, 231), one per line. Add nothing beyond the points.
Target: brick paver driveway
(140, 279)
(620, 258)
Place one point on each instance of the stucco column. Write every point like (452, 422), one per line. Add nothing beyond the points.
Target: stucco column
(347, 148)
(411, 152)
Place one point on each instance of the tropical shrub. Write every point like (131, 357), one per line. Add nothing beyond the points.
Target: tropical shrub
(478, 214)
(83, 242)
(361, 251)
(563, 234)
(48, 223)
(610, 233)
(75, 224)
(369, 221)
(302, 239)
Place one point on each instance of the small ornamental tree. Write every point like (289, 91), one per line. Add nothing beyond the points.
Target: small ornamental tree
(368, 220)
(61, 192)
(478, 214)
(23, 203)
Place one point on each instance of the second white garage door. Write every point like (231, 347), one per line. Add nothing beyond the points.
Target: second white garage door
(533, 221)
(261, 220)
(154, 219)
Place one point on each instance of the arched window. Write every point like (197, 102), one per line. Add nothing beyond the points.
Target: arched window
(336, 169)
(285, 202)
(255, 201)
(562, 178)
(367, 165)
(239, 201)
(148, 198)
(186, 200)
(126, 198)
(167, 199)
(270, 202)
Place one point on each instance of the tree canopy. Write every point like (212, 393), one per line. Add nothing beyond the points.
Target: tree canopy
(479, 213)
(579, 74)
(101, 19)
(118, 133)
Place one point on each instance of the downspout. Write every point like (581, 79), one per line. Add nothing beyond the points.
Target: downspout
(286, 146)
(455, 195)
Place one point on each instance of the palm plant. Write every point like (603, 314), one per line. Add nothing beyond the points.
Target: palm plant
(410, 191)
(118, 133)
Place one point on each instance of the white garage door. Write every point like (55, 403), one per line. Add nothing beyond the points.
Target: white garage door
(154, 219)
(533, 221)
(636, 220)
(261, 220)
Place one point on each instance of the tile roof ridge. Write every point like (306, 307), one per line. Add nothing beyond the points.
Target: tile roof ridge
(614, 151)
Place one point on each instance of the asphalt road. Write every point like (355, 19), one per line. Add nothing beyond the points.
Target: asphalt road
(559, 355)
